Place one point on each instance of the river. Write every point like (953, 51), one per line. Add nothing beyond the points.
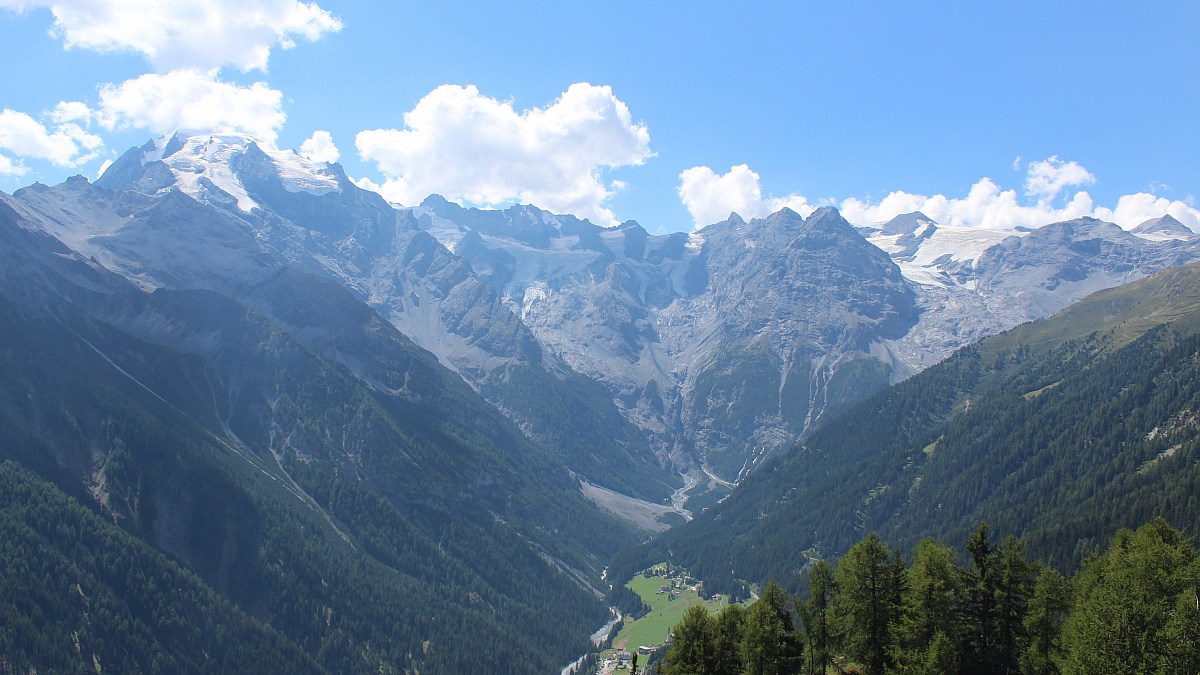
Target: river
(598, 638)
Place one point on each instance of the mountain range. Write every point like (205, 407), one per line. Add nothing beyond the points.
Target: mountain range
(647, 361)
(353, 420)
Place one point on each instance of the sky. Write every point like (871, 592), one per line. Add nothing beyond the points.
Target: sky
(670, 113)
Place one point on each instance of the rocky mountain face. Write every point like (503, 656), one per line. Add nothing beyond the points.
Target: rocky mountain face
(222, 214)
(1059, 431)
(283, 441)
(726, 343)
(722, 344)
(635, 356)
(972, 283)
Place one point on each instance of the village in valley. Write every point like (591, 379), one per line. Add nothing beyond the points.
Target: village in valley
(669, 591)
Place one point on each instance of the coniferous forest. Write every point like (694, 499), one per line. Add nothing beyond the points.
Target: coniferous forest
(984, 609)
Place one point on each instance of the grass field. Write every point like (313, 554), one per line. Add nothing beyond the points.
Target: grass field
(652, 628)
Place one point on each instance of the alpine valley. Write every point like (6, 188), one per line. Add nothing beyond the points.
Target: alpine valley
(259, 419)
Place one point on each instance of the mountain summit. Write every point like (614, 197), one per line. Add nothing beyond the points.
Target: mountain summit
(1164, 227)
(638, 356)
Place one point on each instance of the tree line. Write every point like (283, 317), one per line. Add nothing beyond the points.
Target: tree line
(1133, 609)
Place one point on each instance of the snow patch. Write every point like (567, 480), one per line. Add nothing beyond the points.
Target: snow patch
(1161, 236)
(447, 232)
(946, 247)
(203, 161)
(299, 174)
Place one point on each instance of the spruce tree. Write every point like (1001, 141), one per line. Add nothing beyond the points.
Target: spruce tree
(979, 609)
(1013, 579)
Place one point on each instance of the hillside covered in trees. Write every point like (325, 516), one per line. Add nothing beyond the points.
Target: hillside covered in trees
(1133, 609)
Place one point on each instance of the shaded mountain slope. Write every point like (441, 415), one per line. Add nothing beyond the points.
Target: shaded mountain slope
(220, 212)
(373, 511)
(80, 594)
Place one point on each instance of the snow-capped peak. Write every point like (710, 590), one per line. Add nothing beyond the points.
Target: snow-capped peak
(200, 161)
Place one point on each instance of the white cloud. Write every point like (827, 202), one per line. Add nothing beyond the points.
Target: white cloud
(191, 100)
(710, 197)
(22, 136)
(986, 205)
(200, 34)
(366, 184)
(320, 148)
(1133, 210)
(71, 111)
(1045, 179)
(468, 147)
(10, 168)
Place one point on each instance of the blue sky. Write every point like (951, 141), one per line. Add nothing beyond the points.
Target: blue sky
(690, 109)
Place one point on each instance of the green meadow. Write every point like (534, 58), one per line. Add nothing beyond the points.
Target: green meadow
(651, 629)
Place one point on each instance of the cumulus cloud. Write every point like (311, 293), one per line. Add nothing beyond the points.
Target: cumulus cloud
(191, 100)
(320, 148)
(472, 148)
(366, 184)
(1044, 180)
(23, 137)
(986, 205)
(1132, 210)
(710, 197)
(71, 111)
(200, 34)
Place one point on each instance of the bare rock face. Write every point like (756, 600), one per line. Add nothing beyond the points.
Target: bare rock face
(729, 342)
(636, 355)
(225, 213)
(723, 344)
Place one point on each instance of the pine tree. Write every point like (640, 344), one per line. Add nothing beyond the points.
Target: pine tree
(931, 601)
(693, 645)
(817, 617)
(768, 637)
(865, 603)
(1131, 606)
(1043, 622)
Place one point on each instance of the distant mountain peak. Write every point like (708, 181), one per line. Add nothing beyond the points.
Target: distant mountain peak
(906, 223)
(826, 217)
(202, 162)
(1163, 227)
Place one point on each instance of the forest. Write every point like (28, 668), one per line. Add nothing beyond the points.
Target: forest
(1135, 608)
